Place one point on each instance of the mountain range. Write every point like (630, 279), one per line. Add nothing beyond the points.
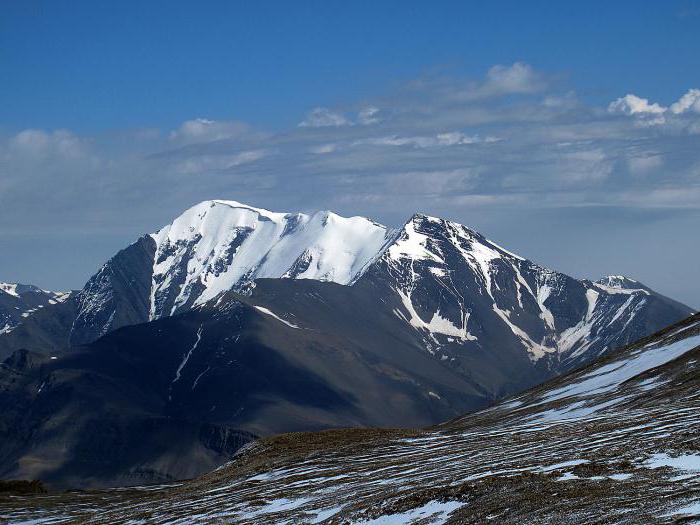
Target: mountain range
(234, 322)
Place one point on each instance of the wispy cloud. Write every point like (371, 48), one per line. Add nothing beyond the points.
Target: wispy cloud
(323, 117)
(512, 138)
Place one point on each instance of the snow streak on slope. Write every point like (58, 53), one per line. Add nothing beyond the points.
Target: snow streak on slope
(609, 377)
(275, 316)
(186, 357)
(222, 245)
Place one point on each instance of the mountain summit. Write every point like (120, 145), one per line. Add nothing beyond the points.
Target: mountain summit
(19, 301)
(217, 246)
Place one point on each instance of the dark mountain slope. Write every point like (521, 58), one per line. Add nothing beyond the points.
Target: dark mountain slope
(122, 290)
(93, 416)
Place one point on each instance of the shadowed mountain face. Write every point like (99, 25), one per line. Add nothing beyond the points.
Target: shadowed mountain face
(235, 321)
(122, 290)
(614, 442)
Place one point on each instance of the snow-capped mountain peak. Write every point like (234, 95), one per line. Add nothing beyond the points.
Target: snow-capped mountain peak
(222, 245)
(458, 289)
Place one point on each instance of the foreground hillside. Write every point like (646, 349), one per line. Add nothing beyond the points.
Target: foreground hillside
(615, 442)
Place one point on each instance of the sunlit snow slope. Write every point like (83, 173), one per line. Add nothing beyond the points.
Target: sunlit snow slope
(224, 245)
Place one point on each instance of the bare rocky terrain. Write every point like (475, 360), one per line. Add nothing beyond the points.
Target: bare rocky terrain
(615, 442)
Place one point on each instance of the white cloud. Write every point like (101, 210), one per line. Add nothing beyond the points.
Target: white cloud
(452, 138)
(518, 78)
(38, 143)
(654, 114)
(322, 149)
(206, 163)
(324, 117)
(437, 182)
(367, 115)
(634, 105)
(205, 130)
(641, 165)
(567, 101)
(688, 102)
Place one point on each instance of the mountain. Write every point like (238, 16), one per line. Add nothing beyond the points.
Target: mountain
(441, 276)
(249, 323)
(464, 292)
(289, 355)
(234, 366)
(217, 246)
(614, 442)
(19, 301)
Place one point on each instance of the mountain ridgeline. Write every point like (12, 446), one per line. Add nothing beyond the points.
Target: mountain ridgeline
(234, 322)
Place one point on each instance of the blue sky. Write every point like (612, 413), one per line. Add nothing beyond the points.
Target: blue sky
(92, 66)
(569, 132)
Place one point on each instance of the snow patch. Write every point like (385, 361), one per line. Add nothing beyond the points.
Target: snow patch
(434, 512)
(275, 316)
(607, 378)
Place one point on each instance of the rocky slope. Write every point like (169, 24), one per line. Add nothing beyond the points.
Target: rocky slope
(615, 442)
(86, 418)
